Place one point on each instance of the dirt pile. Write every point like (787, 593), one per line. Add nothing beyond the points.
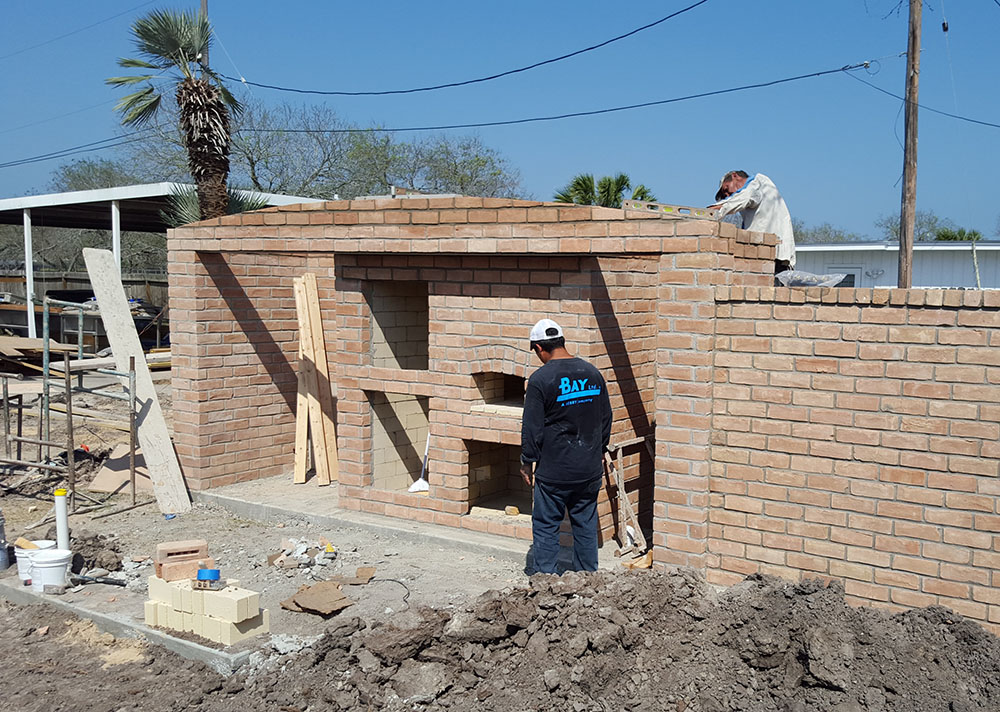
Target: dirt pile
(642, 641)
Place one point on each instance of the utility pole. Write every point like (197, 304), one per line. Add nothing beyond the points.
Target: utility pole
(907, 213)
(204, 13)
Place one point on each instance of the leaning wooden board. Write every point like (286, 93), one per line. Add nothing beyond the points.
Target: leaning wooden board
(158, 450)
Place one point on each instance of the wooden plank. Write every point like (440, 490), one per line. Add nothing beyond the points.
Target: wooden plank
(301, 405)
(308, 367)
(323, 374)
(92, 364)
(23, 343)
(154, 438)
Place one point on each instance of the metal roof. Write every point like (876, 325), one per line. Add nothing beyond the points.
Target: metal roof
(942, 246)
(139, 207)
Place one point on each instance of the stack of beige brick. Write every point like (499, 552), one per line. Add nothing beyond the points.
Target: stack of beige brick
(225, 616)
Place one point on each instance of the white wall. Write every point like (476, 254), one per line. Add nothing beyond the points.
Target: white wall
(879, 268)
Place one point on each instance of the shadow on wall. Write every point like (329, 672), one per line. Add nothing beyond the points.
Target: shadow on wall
(270, 353)
(624, 375)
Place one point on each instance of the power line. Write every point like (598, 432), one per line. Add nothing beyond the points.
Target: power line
(472, 81)
(54, 118)
(574, 114)
(74, 32)
(113, 142)
(924, 107)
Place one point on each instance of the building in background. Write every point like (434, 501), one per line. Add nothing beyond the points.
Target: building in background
(876, 264)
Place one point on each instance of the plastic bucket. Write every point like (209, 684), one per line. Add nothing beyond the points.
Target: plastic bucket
(48, 570)
(23, 557)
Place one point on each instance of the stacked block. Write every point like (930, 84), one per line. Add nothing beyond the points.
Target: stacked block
(227, 616)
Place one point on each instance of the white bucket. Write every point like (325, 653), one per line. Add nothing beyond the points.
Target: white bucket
(23, 557)
(48, 570)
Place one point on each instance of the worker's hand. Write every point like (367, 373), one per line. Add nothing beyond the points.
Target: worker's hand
(526, 474)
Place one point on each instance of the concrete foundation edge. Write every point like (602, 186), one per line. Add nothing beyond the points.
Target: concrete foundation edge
(220, 661)
(475, 542)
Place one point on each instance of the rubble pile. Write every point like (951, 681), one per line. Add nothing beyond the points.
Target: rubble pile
(642, 641)
(295, 554)
(93, 551)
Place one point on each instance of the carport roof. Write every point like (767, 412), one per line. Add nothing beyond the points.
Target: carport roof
(139, 207)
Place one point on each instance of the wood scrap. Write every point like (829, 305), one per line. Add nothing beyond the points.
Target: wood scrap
(161, 459)
(314, 400)
(324, 598)
(324, 382)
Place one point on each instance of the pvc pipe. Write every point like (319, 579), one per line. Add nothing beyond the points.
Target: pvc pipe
(62, 520)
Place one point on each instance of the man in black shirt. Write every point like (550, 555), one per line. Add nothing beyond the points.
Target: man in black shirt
(564, 433)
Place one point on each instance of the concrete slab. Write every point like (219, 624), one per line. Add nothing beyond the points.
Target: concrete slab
(277, 499)
(123, 625)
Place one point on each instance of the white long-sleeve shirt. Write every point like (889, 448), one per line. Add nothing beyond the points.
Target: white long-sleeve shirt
(763, 210)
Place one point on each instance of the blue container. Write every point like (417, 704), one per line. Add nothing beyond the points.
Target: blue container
(208, 574)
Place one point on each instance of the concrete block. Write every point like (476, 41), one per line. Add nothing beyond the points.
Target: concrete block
(232, 605)
(211, 628)
(160, 590)
(233, 633)
(185, 588)
(198, 624)
(163, 614)
(175, 619)
(198, 602)
(150, 610)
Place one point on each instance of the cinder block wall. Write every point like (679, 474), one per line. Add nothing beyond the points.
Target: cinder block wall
(855, 435)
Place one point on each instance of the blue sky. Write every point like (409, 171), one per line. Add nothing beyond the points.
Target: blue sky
(831, 143)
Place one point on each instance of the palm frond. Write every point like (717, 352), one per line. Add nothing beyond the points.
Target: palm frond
(563, 196)
(610, 190)
(138, 64)
(182, 38)
(641, 192)
(140, 107)
(234, 105)
(127, 81)
(182, 205)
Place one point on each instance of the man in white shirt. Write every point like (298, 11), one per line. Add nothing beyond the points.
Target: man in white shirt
(762, 209)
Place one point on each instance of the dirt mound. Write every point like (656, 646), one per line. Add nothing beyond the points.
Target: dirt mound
(643, 641)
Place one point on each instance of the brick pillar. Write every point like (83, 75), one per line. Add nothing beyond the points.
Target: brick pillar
(685, 318)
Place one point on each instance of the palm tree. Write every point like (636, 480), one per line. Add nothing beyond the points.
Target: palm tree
(608, 192)
(182, 205)
(176, 42)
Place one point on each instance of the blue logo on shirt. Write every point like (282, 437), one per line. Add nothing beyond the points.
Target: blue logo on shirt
(575, 389)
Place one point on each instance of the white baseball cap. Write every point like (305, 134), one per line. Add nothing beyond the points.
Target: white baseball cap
(545, 329)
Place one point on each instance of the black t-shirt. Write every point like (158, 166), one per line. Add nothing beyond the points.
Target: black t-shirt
(567, 421)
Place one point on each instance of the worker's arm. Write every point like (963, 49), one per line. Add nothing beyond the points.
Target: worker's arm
(605, 416)
(532, 429)
(747, 197)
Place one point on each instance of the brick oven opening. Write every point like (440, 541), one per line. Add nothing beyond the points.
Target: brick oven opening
(399, 435)
(494, 479)
(399, 324)
(500, 389)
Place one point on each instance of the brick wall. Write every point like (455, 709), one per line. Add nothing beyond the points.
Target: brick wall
(834, 433)
(855, 435)
(425, 301)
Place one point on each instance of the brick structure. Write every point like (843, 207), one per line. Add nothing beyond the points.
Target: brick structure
(836, 433)
(856, 435)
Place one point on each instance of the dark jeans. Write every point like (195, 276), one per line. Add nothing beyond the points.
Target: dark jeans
(551, 502)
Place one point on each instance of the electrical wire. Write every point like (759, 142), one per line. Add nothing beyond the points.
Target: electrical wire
(924, 107)
(74, 32)
(113, 142)
(406, 595)
(575, 114)
(54, 118)
(467, 82)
